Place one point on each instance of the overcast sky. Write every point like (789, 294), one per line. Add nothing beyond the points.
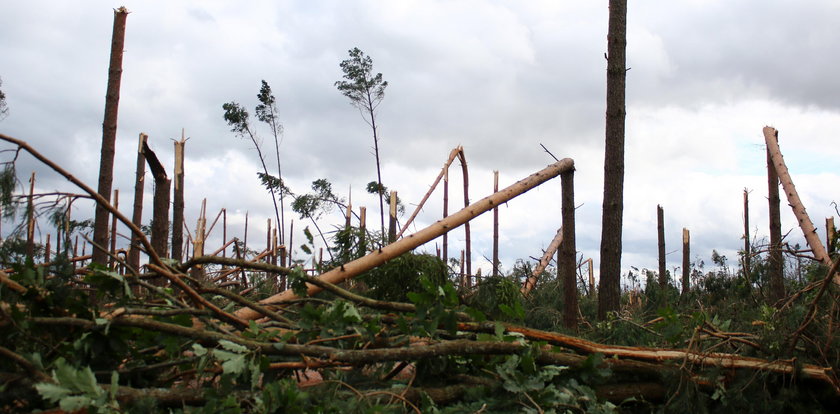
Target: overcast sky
(498, 77)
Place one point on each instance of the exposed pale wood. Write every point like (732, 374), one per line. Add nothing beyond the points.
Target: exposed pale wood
(543, 263)
(392, 218)
(805, 223)
(442, 174)
(178, 200)
(380, 256)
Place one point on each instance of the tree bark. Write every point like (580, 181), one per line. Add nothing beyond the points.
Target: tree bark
(775, 259)
(495, 226)
(686, 261)
(109, 136)
(568, 251)
(660, 230)
(380, 256)
(747, 247)
(160, 203)
(392, 218)
(613, 206)
(809, 231)
(137, 212)
(178, 202)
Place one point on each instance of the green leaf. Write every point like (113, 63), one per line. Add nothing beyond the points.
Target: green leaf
(199, 350)
(52, 392)
(115, 384)
(235, 365)
(233, 347)
(75, 403)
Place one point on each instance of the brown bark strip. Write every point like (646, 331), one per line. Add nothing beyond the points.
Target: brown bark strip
(660, 232)
(567, 266)
(378, 257)
(178, 202)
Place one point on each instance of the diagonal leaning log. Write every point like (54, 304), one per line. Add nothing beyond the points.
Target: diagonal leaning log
(379, 257)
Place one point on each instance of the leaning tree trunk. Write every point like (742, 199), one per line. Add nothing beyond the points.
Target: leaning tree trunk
(160, 204)
(109, 137)
(613, 207)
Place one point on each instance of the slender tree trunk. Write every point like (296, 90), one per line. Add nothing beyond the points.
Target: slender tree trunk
(495, 227)
(446, 214)
(613, 207)
(660, 229)
(568, 251)
(830, 232)
(109, 136)
(747, 246)
(30, 219)
(178, 204)
(378, 170)
(363, 230)
(686, 262)
(137, 212)
(115, 201)
(467, 241)
(775, 259)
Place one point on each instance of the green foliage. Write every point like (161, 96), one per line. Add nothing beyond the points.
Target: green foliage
(237, 117)
(403, 274)
(4, 108)
(75, 389)
(499, 298)
(364, 88)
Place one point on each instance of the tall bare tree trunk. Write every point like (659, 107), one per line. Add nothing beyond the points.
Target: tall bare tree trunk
(137, 213)
(568, 251)
(613, 207)
(30, 219)
(445, 241)
(178, 202)
(776, 261)
(660, 230)
(830, 232)
(686, 262)
(109, 136)
(496, 226)
(747, 246)
(392, 218)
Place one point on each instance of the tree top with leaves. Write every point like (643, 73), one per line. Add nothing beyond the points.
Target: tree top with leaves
(364, 88)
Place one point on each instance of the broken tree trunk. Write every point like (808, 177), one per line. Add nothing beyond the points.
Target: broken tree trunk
(378, 257)
(660, 231)
(178, 202)
(805, 223)
(686, 261)
(747, 247)
(137, 212)
(30, 219)
(495, 226)
(109, 136)
(160, 204)
(775, 259)
(544, 261)
(115, 201)
(830, 232)
(568, 251)
(463, 158)
(392, 218)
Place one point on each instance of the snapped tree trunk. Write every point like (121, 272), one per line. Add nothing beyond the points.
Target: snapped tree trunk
(543, 263)
(568, 251)
(137, 211)
(775, 259)
(160, 203)
(178, 202)
(380, 256)
(496, 227)
(747, 247)
(686, 261)
(109, 136)
(613, 207)
(660, 230)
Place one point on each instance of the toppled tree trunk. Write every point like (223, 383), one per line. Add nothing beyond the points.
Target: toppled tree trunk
(109, 136)
(377, 258)
(805, 223)
(544, 261)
